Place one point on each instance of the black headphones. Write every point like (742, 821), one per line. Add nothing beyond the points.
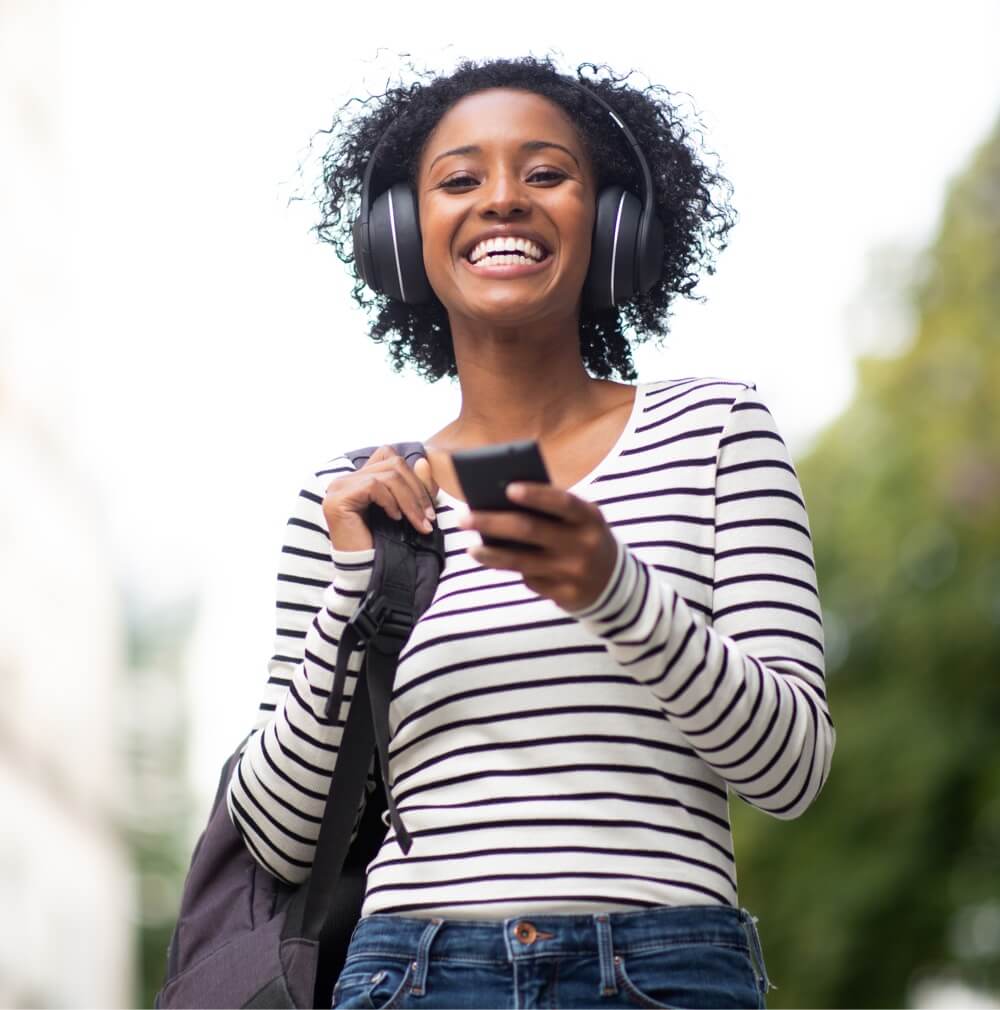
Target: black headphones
(626, 254)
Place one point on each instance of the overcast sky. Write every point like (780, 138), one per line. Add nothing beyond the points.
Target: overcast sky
(215, 355)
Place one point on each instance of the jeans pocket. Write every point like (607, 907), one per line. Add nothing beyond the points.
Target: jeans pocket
(638, 996)
(689, 975)
(372, 982)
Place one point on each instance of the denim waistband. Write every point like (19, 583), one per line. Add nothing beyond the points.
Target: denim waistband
(532, 936)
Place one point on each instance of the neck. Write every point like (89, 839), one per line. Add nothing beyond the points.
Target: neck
(520, 383)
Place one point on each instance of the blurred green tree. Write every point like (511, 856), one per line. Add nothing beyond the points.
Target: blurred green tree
(893, 876)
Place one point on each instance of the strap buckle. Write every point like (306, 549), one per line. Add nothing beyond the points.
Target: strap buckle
(377, 615)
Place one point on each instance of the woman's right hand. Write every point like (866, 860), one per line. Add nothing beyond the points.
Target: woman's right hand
(388, 481)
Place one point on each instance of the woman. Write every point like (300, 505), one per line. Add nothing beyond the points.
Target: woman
(566, 722)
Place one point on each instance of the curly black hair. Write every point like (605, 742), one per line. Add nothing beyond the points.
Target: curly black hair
(695, 221)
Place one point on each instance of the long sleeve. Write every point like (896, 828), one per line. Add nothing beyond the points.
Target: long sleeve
(279, 789)
(746, 689)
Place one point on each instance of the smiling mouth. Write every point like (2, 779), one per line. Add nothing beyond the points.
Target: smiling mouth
(507, 252)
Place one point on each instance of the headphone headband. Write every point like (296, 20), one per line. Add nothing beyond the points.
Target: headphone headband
(647, 175)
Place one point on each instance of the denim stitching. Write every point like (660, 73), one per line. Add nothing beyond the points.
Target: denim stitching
(358, 954)
(608, 984)
(691, 942)
(398, 994)
(764, 984)
(422, 963)
(588, 952)
(398, 955)
(631, 990)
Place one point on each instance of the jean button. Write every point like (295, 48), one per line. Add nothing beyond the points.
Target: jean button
(526, 932)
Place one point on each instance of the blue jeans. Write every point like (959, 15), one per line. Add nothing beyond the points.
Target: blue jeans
(697, 956)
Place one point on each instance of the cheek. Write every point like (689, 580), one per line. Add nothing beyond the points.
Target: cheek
(583, 215)
(437, 233)
(572, 211)
(579, 230)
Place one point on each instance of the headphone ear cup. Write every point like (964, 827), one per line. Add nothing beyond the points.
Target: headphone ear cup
(649, 252)
(611, 275)
(396, 248)
(362, 251)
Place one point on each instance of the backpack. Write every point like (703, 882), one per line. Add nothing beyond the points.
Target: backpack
(244, 938)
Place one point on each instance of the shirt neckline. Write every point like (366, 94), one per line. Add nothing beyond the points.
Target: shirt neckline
(623, 437)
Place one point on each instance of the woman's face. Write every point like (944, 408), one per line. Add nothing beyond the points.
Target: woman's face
(506, 166)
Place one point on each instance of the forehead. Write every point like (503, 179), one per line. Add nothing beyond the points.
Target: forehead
(498, 116)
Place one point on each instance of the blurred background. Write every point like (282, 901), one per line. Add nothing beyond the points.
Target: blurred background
(177, 352)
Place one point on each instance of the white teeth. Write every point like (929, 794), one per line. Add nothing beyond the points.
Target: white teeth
(509, 244)
(505, 259)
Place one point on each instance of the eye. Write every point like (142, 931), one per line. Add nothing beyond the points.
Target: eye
(462, 181)
(546, 175)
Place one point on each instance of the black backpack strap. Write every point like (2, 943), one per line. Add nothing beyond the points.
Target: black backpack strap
(372, 613)
(382, 624)
(396, 602)
(386, 616)
(313, 902)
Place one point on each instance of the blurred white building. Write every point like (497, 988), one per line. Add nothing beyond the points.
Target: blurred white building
(66, 930)
(65, 883)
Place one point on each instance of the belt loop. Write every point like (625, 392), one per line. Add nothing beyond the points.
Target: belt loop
(756, 953)
(605, 952)
(420, 966)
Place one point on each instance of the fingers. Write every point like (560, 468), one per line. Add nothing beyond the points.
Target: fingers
(519, 526)
(552, 500)
(566, 527)
(554, 516)
(422, 468)
(382, 495)
(400, 491)
(385, 480)
(422, 500)
(578, 549)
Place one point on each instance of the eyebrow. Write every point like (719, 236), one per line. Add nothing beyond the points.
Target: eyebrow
(528, 145)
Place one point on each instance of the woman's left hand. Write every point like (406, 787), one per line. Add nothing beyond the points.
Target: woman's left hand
(578, 549)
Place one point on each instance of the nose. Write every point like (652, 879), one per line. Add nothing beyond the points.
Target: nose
(504, 196)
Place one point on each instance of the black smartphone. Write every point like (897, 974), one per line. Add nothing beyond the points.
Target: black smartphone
(485, 473)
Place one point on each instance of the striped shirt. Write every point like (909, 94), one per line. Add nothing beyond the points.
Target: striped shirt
(556, 761)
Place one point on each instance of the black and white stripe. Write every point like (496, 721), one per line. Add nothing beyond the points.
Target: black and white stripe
(548, 761)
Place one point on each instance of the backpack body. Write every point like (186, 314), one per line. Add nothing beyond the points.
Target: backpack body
(243, 938)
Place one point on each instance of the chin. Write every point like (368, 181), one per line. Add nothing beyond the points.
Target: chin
(510, 308)
(512, 313)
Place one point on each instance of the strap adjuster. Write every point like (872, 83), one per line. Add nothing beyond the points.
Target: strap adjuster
(377, 615)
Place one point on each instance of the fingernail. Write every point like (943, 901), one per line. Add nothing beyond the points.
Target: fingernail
(515, 490)
(430, 513)
(428, 526)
